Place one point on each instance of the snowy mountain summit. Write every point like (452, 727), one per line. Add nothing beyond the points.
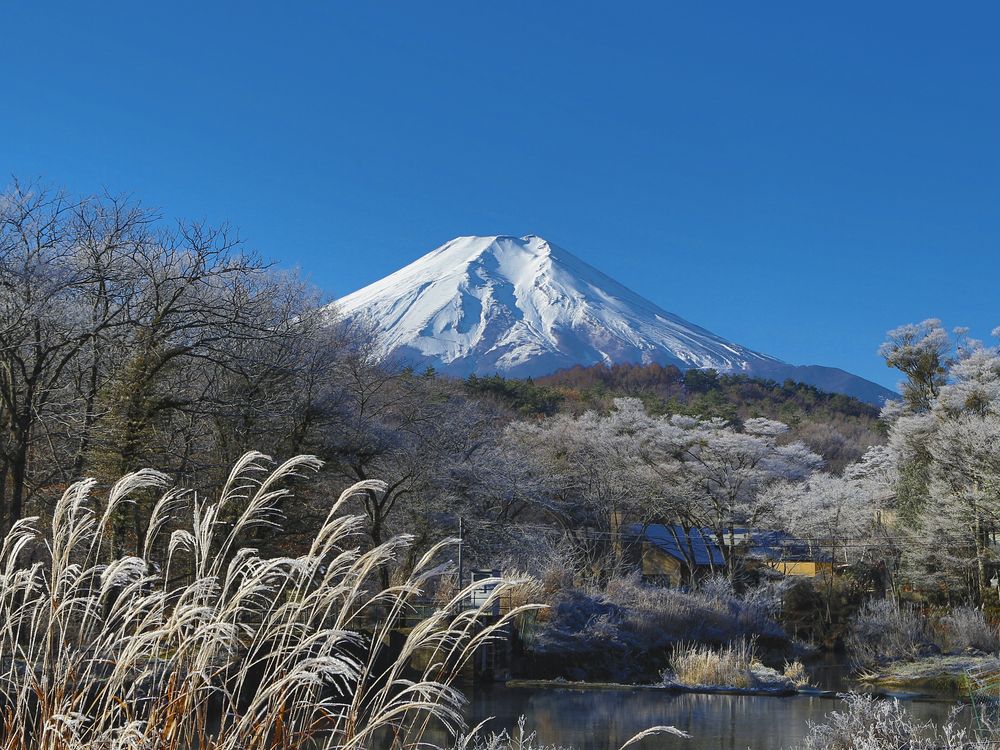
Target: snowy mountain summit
(523, 307)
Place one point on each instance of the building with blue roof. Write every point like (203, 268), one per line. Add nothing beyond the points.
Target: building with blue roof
(673, 555)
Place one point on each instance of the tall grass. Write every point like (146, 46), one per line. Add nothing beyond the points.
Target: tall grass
(884, 630)
(967, 628)
(730, 666)
(796, 672)
(200, 643)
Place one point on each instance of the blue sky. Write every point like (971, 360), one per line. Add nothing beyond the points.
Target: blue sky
(796, 178)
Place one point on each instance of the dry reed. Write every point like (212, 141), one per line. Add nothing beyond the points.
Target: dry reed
(730, 666)
(218, 647)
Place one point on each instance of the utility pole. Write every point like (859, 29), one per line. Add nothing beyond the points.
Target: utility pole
(461, 542)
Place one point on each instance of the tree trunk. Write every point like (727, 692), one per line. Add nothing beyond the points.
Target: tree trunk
(374, 510)
(89, 418)
(3, 496)
(18, 476)
(18, 460)
(383, 570)
(980, 555)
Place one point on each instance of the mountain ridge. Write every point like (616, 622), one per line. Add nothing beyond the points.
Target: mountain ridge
(524, 307)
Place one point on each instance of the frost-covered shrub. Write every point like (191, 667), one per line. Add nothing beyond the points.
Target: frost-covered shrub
(579, 623)
(518, 738)
(884, 630)
(713, 613)
(966, 627)
(718, 587)
(760, 607)
(872, 724)
(560, 568)
(526, 590)
(660, 616)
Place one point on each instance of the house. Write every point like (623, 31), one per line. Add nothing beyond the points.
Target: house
(672, 555)
(780, 551)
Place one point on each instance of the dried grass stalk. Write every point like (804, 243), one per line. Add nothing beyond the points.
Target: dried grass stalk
(217, 647)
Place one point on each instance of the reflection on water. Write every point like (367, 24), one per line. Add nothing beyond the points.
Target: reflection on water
(604, 720)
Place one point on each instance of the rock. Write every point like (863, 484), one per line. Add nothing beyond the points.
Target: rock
(769, 679)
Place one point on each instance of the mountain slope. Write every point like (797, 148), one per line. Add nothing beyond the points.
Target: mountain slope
(524, 307)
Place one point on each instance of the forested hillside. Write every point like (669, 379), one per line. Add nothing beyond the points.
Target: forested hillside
(838, 427)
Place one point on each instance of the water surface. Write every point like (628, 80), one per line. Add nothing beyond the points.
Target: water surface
(605, 719)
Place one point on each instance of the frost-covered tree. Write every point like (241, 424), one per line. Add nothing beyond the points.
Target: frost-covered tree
(831, 513)
(965, 452)
(127, 342)
(600, 471)
(920, 351)
(632, 466)
(947, 450)
(842, 515)
(62, 294)
(727, 472)
(420, 434)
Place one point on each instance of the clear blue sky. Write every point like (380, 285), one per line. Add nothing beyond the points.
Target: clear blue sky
(796, 178)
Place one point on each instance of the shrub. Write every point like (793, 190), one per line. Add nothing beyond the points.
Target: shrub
(623, 631)
(871, 724)
(527, 590)
(884, 630)
(223, 649)
(714, 613)
(966, 627)
(521, 739)
(559, 571)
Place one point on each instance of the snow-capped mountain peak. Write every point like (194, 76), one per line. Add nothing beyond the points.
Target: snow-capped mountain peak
(522, 306)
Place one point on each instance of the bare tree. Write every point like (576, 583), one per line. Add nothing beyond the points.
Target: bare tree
(422, 435)
(126, 343)
(61, 294)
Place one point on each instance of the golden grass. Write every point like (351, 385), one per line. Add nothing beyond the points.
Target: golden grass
(796, 672)
(730, 666)
(206, 645)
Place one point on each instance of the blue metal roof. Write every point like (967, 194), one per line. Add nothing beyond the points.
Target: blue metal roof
(692, 547)
(770, 544)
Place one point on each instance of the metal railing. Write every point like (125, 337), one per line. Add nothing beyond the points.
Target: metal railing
(984, 696)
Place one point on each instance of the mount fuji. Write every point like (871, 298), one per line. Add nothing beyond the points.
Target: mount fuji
(521, 306)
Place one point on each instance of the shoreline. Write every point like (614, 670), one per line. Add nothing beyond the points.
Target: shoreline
(947, 672)
(703, 689)
(807, 692)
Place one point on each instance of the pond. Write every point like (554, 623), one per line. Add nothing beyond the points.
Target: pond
(606, 719)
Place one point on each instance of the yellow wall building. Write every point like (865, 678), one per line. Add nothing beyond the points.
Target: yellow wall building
(673, 555)
(808, 568)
